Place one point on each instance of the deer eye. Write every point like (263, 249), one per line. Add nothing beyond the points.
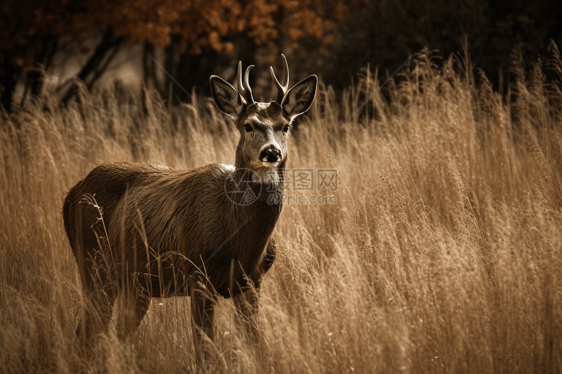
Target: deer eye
(286, 128)
(248, 128)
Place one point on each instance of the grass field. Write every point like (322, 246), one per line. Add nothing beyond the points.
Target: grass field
(443, 253)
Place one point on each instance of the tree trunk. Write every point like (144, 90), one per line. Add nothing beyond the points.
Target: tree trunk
(170, 64)
(150, 70)
(35, 78)
(97, 63)
(9, 76)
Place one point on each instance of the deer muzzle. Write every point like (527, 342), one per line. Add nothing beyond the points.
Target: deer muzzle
(270, 157)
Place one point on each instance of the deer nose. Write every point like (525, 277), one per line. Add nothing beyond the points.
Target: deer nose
(270, 155)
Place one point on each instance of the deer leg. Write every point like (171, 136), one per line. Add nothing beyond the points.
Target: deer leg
(100, 296)
(247, 312)
(202, 311)
(269, 258)
(247, 306)
(247, 301)
(136, 302)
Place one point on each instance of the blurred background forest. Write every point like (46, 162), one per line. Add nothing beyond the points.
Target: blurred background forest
(47, 46)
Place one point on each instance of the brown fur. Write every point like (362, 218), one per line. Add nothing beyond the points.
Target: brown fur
(163, 222)
(166, 232)
(163, 226)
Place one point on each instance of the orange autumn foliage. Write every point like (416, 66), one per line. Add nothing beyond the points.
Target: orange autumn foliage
(198, 24)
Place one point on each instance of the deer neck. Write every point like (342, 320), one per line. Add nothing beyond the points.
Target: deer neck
(263, 181)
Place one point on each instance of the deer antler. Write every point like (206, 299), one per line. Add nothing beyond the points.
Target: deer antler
(281, 87)
(247, 92)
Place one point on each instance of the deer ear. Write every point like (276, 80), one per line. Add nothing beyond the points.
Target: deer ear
(226, 97)
(299, 98)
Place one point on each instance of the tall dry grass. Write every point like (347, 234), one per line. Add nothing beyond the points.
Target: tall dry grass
(443, 254)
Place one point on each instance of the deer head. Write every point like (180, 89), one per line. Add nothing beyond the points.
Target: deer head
(264, 127)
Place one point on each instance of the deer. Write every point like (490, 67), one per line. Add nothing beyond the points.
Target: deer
(140, 231)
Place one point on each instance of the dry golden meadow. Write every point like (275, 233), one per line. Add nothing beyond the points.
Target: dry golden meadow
(443, 253)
